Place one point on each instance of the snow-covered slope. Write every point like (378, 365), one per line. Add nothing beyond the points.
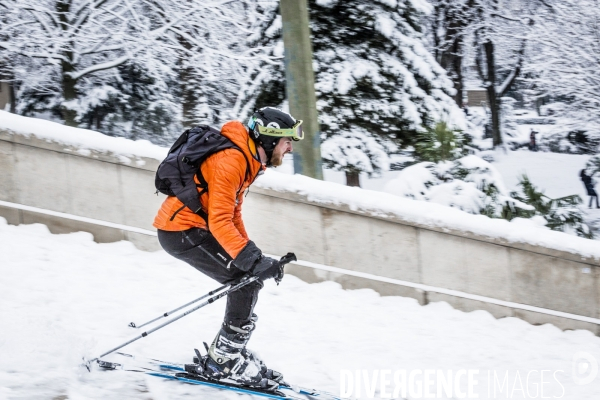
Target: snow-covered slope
(65, 296)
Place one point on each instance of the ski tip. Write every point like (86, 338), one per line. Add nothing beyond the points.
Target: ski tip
(87, 364)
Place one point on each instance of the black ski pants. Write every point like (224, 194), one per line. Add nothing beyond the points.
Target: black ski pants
(199, 248)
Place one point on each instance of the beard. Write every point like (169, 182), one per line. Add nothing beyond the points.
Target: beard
(276, 159)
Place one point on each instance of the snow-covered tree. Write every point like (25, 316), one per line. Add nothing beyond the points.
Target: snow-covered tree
(221, 76)
(500, 39)
(470, 184)
(449, 23)
(92, 59)
(377, 84)
(564, 66)
(133, 103)
(79, 38)
(492, 35)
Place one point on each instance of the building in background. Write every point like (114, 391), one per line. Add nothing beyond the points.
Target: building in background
(477, 97)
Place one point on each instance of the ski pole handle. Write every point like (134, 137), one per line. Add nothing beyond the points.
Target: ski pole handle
(288, 258)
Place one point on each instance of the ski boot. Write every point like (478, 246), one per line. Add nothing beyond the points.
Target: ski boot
(249, 354)
(265, 372)
(227, 359)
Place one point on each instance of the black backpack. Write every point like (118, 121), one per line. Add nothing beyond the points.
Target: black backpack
(175, 175)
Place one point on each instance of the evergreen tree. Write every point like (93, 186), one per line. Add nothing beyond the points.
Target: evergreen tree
(562, 214)
(440, 143)
(133, 103)
(377, 85)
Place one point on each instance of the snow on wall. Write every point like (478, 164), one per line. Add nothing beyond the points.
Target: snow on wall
(327, 193)
(83, 138)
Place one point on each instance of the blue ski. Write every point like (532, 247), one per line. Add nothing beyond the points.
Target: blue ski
(187, 378)
(176, 371)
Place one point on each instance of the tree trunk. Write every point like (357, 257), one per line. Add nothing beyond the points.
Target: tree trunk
(451, 59)
(353, 178)
(493, 97)
(495, 104)
(188, 97)
(69, 92)
(12, 98)
(188, 94)
(456, 19)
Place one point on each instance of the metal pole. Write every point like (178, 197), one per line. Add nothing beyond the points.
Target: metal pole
(300, 85)
(245, 281)
(133, 325)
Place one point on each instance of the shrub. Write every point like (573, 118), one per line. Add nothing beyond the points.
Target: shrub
(440, 143)
(562, 214)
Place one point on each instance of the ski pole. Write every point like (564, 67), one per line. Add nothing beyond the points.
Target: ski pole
(133, 325)
(243, 282)
(289, 257)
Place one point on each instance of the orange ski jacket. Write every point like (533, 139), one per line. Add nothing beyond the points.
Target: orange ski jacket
(228, 176)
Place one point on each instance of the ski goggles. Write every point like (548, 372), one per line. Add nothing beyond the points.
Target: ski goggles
(295, 132)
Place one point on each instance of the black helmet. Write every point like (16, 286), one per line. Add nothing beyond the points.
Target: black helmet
(269, 124)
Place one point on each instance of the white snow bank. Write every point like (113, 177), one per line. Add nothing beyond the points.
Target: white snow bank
(83, 138)
(65, 296)
(375, 203)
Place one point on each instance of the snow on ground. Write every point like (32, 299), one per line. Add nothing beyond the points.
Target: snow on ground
(557, 174)
(65, 296)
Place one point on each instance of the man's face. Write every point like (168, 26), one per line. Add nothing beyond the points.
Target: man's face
(283, 147)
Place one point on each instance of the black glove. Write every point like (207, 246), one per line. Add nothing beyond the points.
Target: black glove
(267, 267)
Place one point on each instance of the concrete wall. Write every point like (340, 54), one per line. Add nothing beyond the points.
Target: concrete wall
(106, 187)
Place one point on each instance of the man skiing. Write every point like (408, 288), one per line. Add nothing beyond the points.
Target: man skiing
(218, 245)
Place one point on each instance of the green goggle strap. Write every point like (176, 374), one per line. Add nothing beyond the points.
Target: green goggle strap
(295, 132)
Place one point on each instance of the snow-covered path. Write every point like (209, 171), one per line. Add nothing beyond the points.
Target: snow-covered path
(64, 296)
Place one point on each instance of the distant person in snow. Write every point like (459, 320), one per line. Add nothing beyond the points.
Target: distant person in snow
(532, 141)
(213, 238)
(589, 183)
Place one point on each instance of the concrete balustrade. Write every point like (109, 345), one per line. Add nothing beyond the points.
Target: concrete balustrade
(119, 189)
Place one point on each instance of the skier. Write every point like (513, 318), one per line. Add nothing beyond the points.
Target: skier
(220, 248)
(588, 182)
